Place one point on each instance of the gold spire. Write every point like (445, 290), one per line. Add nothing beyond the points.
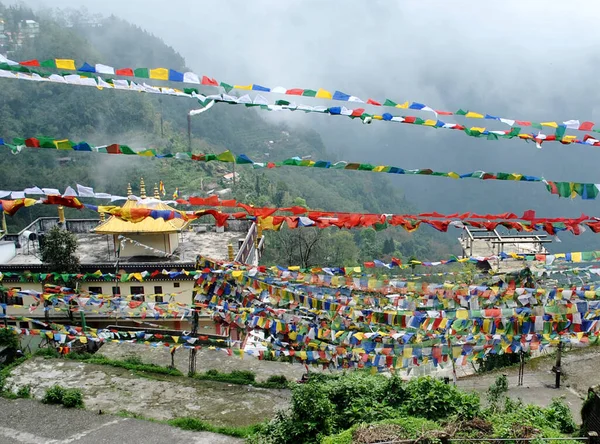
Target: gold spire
(142, 188)
(129, 192)
(156, 194)
(102, 216)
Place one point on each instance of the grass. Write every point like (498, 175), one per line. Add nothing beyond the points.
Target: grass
(133, 363)
(243, 377)
(70, 398)
(197, 425)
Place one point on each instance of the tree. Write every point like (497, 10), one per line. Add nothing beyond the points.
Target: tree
(58, 251)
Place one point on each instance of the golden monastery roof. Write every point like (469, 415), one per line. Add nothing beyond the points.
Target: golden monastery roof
(115, 225)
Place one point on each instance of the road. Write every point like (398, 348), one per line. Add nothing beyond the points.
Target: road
(26, 421)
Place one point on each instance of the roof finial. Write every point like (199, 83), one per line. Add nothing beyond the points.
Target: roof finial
(142, 188)
(129, 192)
(156, 194)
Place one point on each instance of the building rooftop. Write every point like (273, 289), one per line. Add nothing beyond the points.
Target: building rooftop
(98, 249)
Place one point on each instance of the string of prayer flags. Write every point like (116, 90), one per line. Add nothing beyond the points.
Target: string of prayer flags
(167, 74)
(588, 191)
(11, 71)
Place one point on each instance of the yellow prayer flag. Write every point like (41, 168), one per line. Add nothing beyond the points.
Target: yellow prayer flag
(237, 273)
(159, 74)
(294, 268)
(379, 168)
(247, 87)
(402, 105)
(377, 117)
(462, 314)
(429, 122)
(576, 256)
(323, 94)
(83, 340)
(550, 124)
(65, 64)
(175, 338)
(478, 128)
(456, 352)
(453, 175)
(473, 115)
(407, 353)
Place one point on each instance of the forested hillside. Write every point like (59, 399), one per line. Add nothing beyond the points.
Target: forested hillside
(144, 121)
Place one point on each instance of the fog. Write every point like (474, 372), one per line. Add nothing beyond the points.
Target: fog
(520, 60)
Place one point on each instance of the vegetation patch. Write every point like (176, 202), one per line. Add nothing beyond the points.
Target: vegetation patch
(70, 398)
(132, 363)
(196, 425)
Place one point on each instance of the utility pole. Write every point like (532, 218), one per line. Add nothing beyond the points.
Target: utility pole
(454, 378)
(189, 119)
(556, 368)
(521, 367)
(193, 350)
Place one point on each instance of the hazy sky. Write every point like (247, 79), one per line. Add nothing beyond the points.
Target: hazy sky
(526, 60)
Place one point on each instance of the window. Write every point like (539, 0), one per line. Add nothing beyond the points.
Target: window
(137, 293)
(158, 291)
(116, 291)
(15, 299)
(176, 284)
(97, 290)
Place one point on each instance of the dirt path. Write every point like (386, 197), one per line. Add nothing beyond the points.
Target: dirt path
(113, 390)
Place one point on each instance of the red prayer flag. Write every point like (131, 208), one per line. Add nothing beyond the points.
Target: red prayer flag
(373, 102)
(357, 112)
(586, 126)
(124, 72)
(209, 81)
(294, 92)
(30, 63)
(522, 123)
(32, 143)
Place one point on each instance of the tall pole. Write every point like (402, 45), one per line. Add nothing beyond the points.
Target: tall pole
(557, 365)
(451, 356)
(189, 119)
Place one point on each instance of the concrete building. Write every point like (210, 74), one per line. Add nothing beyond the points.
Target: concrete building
(98, 250)
(477, 242)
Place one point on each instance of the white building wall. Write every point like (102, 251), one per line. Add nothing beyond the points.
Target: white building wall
(7, 252)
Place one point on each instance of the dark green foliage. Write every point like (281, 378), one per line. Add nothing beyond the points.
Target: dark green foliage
(47, 353)
(54, 395)
(70, 398)
(274, 382)
(242, 377)
(9, 339)
(58, 251)
(559, 414)
(24, 392)
(493, 361)
(73, 398)
(496, 390)
(131, 363)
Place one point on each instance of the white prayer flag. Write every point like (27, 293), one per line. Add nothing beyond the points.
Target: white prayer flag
(104, 69)
(85, 191)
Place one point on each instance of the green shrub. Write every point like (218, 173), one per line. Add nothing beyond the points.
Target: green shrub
(559, 415)
(54, 395)
(47, 353)
(274, 382)
(133, 360)
(70, 398)
(24, 392)
(9, 339)
(131, 363)
(73, 398)
(241, 377)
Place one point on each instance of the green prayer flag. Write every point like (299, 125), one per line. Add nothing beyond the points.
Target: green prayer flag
(142, 72)
(48, 63)
(309, 93)
(536, 125)
(366, 167)
(560, 131)
(226, 86)
(126, 150)
(460, 112)
(388, 102)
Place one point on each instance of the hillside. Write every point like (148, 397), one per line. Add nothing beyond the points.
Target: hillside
(142, 121)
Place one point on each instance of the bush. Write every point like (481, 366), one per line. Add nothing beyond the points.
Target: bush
(241, 377)
(70, 398)
(196, 425)
(559, 415)
(73, 398)
(47, 353)
(24, 392)
(9, 339)
(54, 395)
(274, 382)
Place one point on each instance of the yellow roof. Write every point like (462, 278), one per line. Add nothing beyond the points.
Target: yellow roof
(115, 225)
